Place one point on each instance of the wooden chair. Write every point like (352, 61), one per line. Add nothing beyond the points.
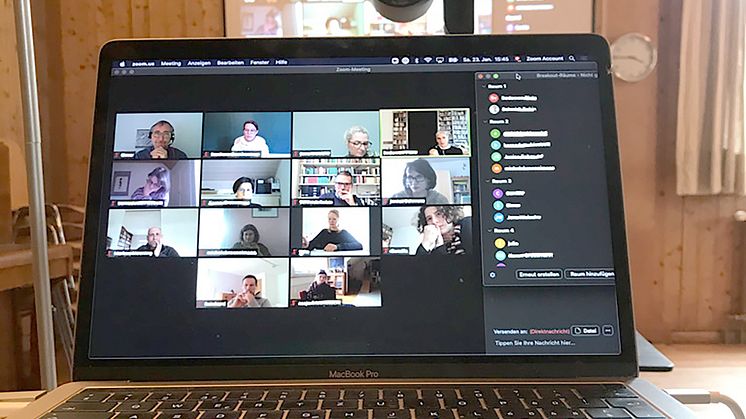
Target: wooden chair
(63, 289)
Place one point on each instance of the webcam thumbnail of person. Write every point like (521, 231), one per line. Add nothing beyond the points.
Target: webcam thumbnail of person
(152, 232)
(247, 134)
(158, 136)
(336, 182)
(335, 281)
(336, 134)
(427, 230)
(167, 183)
(246, 183)
(242, 283)
(425, 132)
(244, 232)
(333, 232)
(426, 180)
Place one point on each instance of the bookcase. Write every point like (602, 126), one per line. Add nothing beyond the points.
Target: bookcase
(316, 176)
(399, 134)
(456, 121)
(339, 281)
(461, 190)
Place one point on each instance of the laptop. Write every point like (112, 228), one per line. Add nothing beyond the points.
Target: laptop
(422, 227)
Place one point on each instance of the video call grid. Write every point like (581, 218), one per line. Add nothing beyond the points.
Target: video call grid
(297, 161)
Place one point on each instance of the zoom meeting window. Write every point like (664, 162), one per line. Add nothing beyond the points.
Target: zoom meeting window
(272, 208)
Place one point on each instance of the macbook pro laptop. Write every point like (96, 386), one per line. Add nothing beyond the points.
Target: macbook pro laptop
(424, 227)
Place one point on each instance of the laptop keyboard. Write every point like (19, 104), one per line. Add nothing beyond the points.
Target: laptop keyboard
(381, 402)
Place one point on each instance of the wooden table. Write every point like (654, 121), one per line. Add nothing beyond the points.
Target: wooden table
(719, 368)
(15, 272)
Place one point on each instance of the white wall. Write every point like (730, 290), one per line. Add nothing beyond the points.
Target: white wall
(187, 130)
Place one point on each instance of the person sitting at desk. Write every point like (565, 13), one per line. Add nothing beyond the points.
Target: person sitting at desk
(419, 182)
(250, 141)
(249, 240)
(243, 187)
(155, 236)
(162, 137)
(155, 188)
(342, 195)
(332, 239)
(320, 288)
(443, 147)
(248, 297)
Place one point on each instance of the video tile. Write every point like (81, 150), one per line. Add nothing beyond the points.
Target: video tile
(350, 134)
(158, 136)
(247, 135)
(167, 183)
(427, 230)
(152, 232)
(242, 283)
(336, 182)
(425, 132)
(244, 232)
(425, 180)
(335, 282)
(245, 183)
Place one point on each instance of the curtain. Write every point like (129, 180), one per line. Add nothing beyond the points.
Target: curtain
(710, 125)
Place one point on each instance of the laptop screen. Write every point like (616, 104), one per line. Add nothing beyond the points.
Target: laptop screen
(287, 206)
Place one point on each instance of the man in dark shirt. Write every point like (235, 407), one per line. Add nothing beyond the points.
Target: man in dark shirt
(154, 244)
(161, 137)
(320, 288)
(333, 239)
(342, 195)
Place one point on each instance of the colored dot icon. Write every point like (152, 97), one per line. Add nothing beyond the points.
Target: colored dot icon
(493, 97)
(495, 156)
(494, 109)
(499, 217)
(495, 133)
(500, 255)
(497, 168)
(500, 243)
(498, 205)
(498, 193)
(496, 145)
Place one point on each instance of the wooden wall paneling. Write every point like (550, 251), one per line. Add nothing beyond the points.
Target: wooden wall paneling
(668, 203)
(726, 275)
(48, 45)
(636, 105)
(140, 18)
(120, 18)
(738, 297)
(6, 217)
(705, 221)
(166, 18)
(11, 117)
(204, 18)
(79, 62)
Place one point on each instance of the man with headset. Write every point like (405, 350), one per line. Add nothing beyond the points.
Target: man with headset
(161, 136)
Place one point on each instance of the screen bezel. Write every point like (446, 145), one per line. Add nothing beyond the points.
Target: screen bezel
(485, 366)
